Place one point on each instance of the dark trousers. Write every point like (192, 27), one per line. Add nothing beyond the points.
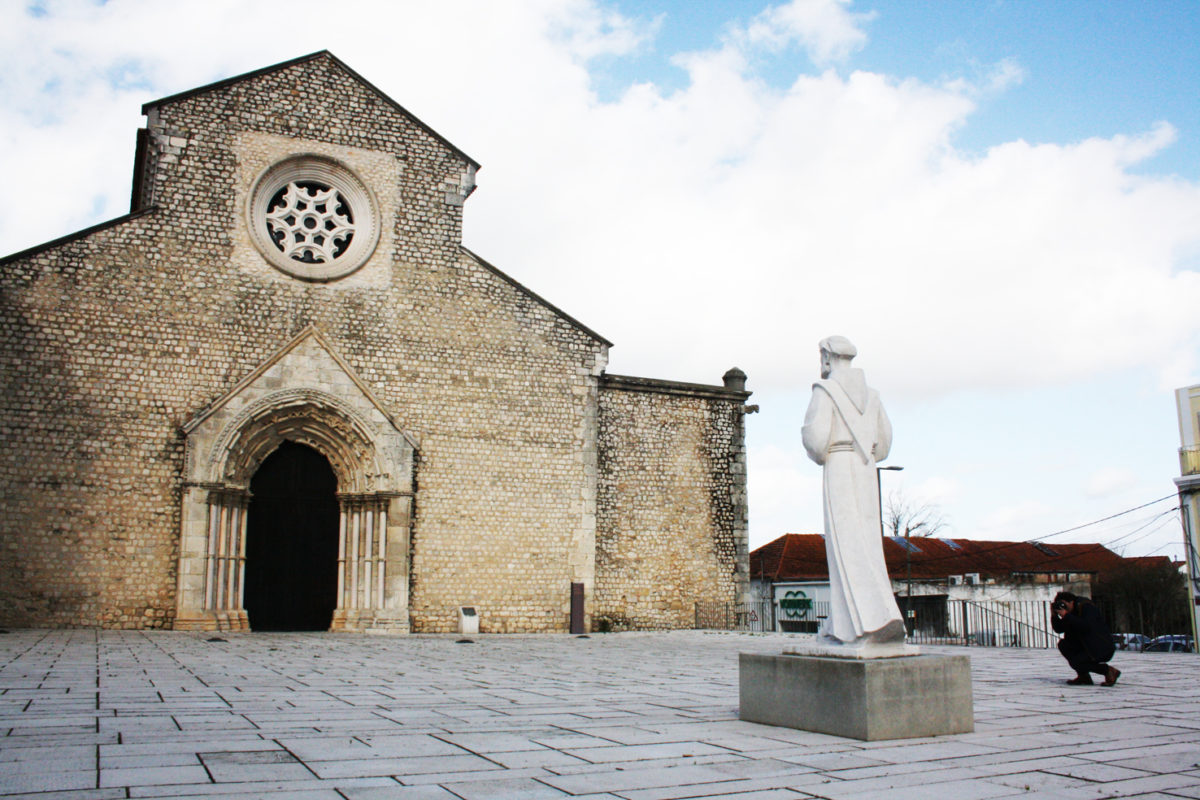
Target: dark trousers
(1080, 660)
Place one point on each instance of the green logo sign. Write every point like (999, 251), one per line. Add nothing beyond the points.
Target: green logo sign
(795, 604)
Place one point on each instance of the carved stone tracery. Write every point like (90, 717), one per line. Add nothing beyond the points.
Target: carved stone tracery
(313, 218)
(310, 222)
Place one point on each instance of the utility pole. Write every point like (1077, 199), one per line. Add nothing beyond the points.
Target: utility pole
(908, 568)
(1187, 403)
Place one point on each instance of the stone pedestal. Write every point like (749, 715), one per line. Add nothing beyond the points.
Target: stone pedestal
(868, 699)
(202, 620)
(368, 621)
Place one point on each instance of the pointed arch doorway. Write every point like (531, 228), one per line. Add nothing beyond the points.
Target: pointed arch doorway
(292, 542)
(374, 462)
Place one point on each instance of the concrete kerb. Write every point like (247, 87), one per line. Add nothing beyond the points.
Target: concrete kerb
(97, 714)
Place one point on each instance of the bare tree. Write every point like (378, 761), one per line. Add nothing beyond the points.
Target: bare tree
(903, 516)
(1143, 595)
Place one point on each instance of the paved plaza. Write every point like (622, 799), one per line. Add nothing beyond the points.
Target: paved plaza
(640, 716)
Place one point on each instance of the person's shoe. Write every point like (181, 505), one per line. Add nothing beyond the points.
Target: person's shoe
(1110, 677)
(1080, 680)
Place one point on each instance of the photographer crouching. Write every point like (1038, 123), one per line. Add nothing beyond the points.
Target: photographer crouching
(1086, 644)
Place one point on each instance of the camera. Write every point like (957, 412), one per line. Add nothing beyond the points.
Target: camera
(1059, 605)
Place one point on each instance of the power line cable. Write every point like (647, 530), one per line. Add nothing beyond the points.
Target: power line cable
(1160, 547)
(1113, 533)
(1144, 525)
(1038, 539)
(1150, 532)
(1104, 519)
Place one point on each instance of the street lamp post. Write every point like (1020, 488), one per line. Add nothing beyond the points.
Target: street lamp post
(879, 493)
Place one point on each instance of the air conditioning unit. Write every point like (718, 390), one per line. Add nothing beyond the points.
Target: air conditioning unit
(956, 580)
(972, 578)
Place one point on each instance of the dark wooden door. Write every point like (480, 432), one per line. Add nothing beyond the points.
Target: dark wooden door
(291, 542)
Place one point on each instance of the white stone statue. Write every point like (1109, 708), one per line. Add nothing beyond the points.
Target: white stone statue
(847, 432)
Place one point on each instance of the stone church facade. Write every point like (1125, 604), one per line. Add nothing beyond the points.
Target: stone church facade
(280, 394)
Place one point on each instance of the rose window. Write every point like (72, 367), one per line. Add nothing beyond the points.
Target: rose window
(310, 222)
(313, 219)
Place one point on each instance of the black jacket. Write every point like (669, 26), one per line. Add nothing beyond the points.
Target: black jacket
(1086, 628)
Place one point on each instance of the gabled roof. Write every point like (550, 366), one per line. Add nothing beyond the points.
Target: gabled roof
(791, 557)
(532, 295)
(76, 236)
(247, 76)
(796, 556)
(310, 332)
(174, 98)
(1154, 561)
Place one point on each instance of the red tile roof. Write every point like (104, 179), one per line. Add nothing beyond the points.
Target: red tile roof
(1154, 561)
(801, 556)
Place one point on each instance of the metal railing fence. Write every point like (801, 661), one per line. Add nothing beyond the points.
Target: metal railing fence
(994, 623)
(715, 616)
(930, 620)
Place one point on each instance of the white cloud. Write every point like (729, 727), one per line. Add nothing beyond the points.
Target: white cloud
(937, 490)
(827, 29)
(1109, 481)
(726, 222)
(1014, 522)
(838, 204)
(1005, 74)
(590, 31)
(785, 494)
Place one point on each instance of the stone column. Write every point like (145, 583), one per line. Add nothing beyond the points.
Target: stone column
(227, 520)
(213, 600)
(368, 530)
(197, 559)
(355, 533)
(366, 552)
(214, 532)
(339, 613)
(238, 617)
(380, 551)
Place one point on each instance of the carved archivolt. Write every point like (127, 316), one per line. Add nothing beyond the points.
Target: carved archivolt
(321, 421)
(371, 457)
(213, 559)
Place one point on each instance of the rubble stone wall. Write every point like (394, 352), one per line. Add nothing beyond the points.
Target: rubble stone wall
(533, 470)
(671, 506)
(112, 340)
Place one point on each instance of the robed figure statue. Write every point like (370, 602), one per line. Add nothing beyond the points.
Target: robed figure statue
(847, 432)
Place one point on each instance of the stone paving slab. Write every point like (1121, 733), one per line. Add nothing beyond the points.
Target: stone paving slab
(93, 715)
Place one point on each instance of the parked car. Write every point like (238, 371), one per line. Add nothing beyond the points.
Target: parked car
(1130, 641)
(1171, 644)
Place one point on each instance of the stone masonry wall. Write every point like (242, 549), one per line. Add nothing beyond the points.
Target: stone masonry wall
(671, 502)
(111, 340)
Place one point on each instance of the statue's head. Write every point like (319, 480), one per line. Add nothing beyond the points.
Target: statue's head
(836, 352)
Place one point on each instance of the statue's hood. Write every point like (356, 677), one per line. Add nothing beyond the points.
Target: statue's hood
(854, 382)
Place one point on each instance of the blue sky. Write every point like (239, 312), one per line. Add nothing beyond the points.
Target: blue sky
(1092, 68)
(998, 202)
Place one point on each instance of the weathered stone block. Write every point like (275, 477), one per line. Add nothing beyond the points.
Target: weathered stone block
(149, 376)
(868, 699)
